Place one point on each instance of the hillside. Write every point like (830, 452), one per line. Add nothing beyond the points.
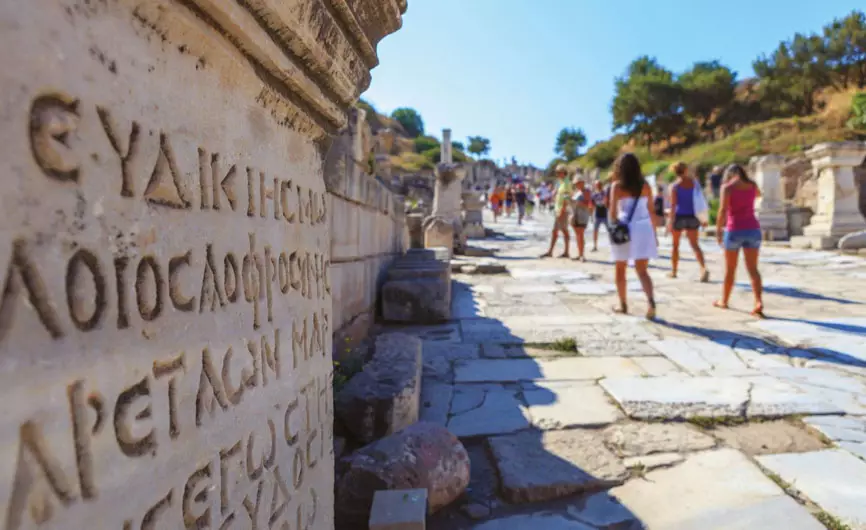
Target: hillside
(783, 136)
(408, 154)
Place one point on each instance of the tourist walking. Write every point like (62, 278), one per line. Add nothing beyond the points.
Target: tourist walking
(509, 200)
(560, 211)
(599, 209)
(520, 199)
(741, 230)
(582, 208)
(659, 206)
(496, 199)
(683, 217)
(630, 198)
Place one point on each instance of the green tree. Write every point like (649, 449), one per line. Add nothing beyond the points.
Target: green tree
(478, 146)
(569, 142)
(845, 41)
(458, 146)
(410, 120)
(791, 77)
(648, 102)
(708, 90)
(425, 143)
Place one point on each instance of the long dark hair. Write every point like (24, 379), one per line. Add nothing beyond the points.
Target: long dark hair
(626, 170)
(736, 170)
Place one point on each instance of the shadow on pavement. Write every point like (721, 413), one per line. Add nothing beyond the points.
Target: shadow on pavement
(764, 345)
(517, 482)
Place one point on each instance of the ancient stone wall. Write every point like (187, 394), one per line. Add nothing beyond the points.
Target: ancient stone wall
(368, 230)
(166, 314)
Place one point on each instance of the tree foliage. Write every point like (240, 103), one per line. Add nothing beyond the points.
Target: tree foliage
(410, 120)
(425, 143)
(652, 103)
(569, 142)
(478, 146)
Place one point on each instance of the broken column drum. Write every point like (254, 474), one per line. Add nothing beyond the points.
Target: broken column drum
(165, 321)
(447, 200)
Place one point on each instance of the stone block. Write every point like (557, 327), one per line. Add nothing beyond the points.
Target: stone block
(384, 397)
(164, 234)
(438, 232)
(423, 455)
(417, 300)
(399, 510)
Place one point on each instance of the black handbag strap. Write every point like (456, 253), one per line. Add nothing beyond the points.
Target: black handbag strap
(633, 208)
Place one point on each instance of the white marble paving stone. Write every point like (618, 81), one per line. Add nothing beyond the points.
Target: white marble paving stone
(834, 479)
(656, 366)
(590, 288)
(571, 404)
(713, 490)
(499, 412)
(548, 274)
(701, 357)
(567, 368)
(534, 287)
(856, 449)
(839, 428)
(819, 378)
(773, 397)
(678, 396)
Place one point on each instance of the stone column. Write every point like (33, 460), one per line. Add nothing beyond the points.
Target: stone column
(447, 198)
(837, 212)
(147, 251)
(446, 157)
(770, 207)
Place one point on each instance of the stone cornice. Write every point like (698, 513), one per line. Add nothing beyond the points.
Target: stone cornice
(318, 51)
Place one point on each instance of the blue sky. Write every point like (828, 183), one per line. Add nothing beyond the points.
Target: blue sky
(517, 71)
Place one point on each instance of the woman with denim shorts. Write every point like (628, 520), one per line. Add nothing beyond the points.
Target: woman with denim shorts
(741, 231)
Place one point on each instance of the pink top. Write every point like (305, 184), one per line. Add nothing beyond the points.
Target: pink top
(741, 209)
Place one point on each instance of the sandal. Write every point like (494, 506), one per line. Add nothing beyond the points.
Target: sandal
(621, 309)
(564, 255)
(720, 305)
(546, 255)
(758, 311)
(705, 276)
(651, 311)
(672, 275)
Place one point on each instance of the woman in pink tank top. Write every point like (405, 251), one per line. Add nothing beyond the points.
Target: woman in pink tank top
(741, 231)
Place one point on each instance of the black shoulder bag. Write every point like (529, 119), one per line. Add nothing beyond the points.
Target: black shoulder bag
(619, 234)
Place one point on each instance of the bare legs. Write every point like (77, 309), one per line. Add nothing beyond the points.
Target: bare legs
(675, 252)
(692, 236)
(553, 237)
(581, 240)
(641, 268)
(621, 267)
(750, 256)
(731, 257)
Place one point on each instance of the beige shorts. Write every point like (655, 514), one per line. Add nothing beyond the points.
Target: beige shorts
(561, 222)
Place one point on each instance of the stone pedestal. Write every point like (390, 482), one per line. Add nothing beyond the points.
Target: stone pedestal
(837, 213)
(473, 218)
(770, 207)
(439, 233)
(447, 200)
(160, 267)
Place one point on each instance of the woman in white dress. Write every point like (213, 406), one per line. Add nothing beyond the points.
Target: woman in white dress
(627, 187)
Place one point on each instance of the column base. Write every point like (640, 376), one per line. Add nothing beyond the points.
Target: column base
(814, 242)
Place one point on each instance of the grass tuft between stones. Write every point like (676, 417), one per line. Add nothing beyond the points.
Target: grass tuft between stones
(711, 422)
(831, 522)
(568, 345)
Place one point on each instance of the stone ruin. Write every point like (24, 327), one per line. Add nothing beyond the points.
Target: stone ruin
(169, 294)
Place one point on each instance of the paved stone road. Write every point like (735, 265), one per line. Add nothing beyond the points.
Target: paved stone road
(576, 418)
